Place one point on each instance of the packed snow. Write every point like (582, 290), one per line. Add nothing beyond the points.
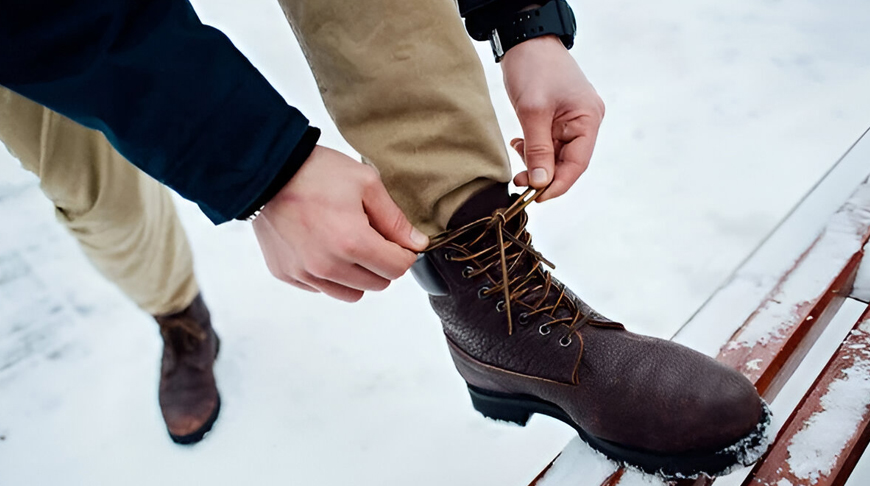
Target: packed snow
(719, 118)
(814, 450)
(578, 464)
(842, 238)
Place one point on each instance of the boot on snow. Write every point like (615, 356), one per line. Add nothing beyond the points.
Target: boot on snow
(188, 394)
(525, 344)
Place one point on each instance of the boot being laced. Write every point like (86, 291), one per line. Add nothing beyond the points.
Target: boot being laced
(647, 402)
(522, 275)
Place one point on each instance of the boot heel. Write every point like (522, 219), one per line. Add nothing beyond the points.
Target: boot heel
(499, 407)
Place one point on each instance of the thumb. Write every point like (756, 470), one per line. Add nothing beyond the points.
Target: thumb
(539, 151)
(388, 220)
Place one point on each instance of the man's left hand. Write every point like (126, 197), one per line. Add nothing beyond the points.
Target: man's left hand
(559, 111)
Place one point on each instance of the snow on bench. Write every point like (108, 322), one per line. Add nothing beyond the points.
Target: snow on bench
(825, 436)
(765, 319)
(772, 342)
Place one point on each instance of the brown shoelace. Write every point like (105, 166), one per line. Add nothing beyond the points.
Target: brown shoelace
(508, 252)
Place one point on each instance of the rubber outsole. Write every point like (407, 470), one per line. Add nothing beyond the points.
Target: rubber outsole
(519, 408)
(200, 433)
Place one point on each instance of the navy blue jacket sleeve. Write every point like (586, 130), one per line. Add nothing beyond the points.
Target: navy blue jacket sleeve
(172, 95)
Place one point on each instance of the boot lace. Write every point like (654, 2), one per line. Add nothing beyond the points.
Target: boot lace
(508, 254)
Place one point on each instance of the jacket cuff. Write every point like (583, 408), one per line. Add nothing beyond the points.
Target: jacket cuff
(298, 157)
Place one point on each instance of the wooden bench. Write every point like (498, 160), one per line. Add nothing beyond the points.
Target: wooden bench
(765, 320)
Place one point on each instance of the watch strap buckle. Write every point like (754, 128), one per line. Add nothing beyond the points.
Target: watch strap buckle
(495, 43)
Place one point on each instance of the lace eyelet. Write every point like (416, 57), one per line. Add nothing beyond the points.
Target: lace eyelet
(523, 318)
(448, 256)
(544, 330)
(565, 341)
(499, 306)
(466, 273)
(481, 294)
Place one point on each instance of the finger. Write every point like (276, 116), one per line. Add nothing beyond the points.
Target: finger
(538, 153)
(356, 277)
(519, 145)
(382, 257)
(300, 285)
(521, 179)
(332, 289)
(388, 220)
(573, 161)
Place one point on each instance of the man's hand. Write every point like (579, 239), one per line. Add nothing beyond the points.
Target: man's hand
(334, 229)
(559, 110)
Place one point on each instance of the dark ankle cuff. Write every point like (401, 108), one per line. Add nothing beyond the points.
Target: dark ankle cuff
(481, 205)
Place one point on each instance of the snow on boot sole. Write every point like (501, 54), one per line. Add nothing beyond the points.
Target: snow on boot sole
(518, 409)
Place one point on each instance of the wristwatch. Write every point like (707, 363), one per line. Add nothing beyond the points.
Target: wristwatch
(553, 18)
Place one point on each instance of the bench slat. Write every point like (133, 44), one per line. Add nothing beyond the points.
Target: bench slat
(769, 346)
(827, 433)
(784, 294)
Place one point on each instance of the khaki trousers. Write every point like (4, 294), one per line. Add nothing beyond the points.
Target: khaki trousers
(400, 79)
(123, 220)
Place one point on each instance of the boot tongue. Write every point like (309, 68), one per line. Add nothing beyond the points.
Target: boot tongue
(481, 205)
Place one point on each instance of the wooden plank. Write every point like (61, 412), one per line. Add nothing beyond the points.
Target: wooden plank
(770, 358)
(825, 436)
(769, 346)
(744, 292)
(792, 310)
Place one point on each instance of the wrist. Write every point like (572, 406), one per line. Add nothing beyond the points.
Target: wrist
(300, 154)
(539, 46)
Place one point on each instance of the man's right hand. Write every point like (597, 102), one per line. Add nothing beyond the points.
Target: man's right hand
(334, 229)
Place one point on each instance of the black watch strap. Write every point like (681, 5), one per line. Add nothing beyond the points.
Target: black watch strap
(553, 18)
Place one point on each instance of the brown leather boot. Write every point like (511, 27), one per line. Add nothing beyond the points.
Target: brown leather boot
(526, 344)
(188, 395)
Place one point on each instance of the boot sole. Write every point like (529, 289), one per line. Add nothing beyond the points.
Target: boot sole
(519, 408)
(197, 436)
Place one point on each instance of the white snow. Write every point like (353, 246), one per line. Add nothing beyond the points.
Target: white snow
(753, 365)
(719, 118)
(810, 367)
(735, 301)
(633, 477)
(841, 239)
(578, 464)
(814, 450)
(783, 482)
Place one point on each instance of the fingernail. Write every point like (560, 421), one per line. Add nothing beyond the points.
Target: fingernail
(419, 238)
(539, 176)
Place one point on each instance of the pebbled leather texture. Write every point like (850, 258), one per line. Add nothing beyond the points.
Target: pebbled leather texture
(638, 391)
(188, 393)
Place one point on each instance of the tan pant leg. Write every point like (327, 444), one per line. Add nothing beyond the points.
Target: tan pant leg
(406, 89)
(124, 221)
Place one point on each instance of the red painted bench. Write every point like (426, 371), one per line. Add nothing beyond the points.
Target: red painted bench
(764, 321)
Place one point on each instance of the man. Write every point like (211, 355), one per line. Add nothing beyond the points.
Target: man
(405, 88)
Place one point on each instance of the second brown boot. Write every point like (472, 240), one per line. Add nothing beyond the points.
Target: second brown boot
(525, 344)
(188, 394)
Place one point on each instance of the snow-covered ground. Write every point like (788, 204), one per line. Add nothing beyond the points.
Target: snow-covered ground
(720, 116)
